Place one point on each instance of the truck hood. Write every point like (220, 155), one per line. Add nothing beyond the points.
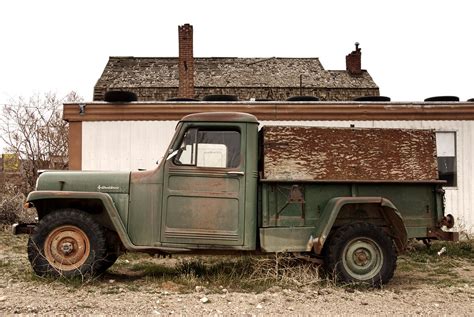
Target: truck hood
(106, 182)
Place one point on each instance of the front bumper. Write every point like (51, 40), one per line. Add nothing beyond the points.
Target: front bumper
(23, 228)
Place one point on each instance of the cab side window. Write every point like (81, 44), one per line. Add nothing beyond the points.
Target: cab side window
(209, 148)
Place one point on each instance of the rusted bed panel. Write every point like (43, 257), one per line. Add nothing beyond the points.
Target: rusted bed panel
(316, 153)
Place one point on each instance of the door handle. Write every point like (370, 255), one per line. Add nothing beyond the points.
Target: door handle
(236, 173)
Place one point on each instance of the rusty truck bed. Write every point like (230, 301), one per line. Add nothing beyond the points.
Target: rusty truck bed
(296, 153)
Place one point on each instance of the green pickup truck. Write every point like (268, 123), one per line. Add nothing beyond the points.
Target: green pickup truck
(348, 197)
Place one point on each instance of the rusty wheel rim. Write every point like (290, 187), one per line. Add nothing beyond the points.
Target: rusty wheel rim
(67, 248)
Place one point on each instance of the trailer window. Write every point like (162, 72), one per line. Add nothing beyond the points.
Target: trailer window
(209, 148)
(446, 151)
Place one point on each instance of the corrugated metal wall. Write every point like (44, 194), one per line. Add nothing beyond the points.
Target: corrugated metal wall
(130, 145)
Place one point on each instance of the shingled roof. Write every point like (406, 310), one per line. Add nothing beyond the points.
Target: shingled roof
(161, 72)
(229, 71)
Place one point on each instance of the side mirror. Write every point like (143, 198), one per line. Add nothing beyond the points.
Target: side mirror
(172, 154)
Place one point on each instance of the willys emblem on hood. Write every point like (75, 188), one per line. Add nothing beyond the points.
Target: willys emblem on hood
(107, 188)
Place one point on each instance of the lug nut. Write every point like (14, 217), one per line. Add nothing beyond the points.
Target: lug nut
(67, 248)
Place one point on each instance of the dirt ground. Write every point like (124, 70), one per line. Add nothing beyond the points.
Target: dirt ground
(421, 286)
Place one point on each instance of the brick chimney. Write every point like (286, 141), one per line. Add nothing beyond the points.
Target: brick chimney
(353, 61)
(186, 62)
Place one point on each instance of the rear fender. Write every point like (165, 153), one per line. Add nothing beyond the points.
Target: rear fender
(388, 211)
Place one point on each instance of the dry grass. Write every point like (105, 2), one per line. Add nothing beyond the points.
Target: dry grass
(451, 267)
(216, 272)
(136, 272)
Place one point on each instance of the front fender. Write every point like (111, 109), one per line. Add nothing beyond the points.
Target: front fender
(388, 210)
(62, 198)
(44, 198)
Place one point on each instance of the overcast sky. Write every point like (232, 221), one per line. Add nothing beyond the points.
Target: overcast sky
(412, 49)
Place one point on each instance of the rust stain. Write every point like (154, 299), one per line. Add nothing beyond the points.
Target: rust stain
(295, 196)
(315, 153)
(143, 176)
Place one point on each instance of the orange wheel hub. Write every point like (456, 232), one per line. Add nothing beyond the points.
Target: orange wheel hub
(67, 248)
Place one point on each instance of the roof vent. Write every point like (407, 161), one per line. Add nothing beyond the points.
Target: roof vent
(373, 98)
(471, 100)
(220, 98)
(120, 96)
(442, 98)
(303, 98)
(178, 99)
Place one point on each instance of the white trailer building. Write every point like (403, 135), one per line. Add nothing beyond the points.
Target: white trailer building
(131, 136)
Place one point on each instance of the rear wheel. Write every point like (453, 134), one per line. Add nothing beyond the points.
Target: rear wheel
(361, 253)
(67, 243)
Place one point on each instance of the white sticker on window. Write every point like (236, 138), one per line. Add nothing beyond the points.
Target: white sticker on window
(446, 144)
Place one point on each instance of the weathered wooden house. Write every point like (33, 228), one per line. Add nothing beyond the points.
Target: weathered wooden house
(164, 78)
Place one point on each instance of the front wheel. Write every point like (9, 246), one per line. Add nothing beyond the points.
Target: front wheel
(361, 253)
(67, 243)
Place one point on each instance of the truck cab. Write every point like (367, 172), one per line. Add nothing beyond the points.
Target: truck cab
(206, 187)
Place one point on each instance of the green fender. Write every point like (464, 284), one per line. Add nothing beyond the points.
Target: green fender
(114, 221)
(388, 210)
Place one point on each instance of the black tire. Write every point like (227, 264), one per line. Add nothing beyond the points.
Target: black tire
(373, 98)
(361, 253)
(220, 98)
(113, 250)
(303, 98)
(120, 96)
(67, 243)
(442, 98)
(178, 99)
(109, 260)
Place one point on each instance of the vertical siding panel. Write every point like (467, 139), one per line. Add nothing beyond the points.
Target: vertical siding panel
(165, 134)
(125, 145)
(150, 139)
(468, 166)
(106, 145)
(142, 133)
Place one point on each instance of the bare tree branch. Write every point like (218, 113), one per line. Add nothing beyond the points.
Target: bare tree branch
(35, 131)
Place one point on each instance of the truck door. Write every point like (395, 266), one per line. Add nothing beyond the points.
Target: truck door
(204, 187)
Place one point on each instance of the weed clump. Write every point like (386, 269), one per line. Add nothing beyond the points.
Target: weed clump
(11, 206)
(451, 250)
